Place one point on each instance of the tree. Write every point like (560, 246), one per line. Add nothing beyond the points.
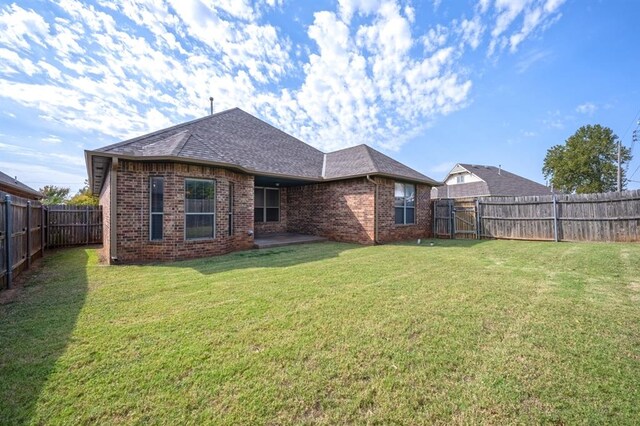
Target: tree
(54, 194)
(587, 162)
(84, 197)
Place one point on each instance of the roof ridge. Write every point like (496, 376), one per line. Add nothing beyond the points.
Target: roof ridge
(161, 131)
(373, 162)
(277, 129)
(180, 145)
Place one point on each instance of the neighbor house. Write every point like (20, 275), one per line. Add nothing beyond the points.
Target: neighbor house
(208, 186)
(470, 180)
(12, 186)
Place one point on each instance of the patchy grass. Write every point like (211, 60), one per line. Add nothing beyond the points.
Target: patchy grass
(462, 332)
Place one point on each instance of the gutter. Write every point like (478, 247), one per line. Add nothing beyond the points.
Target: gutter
(113, 214)
(375, 210)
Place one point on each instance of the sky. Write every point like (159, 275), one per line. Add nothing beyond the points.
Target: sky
(430, 83)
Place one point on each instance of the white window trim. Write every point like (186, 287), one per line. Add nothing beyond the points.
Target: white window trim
(264, 207)
(215, 195)
(151, 212)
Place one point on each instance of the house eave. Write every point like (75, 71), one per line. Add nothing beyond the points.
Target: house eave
(90, 155)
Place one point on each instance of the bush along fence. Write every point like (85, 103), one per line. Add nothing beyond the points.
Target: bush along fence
(613, 216)
(27, 228)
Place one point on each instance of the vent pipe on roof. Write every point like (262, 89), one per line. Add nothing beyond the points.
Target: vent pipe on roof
(499, 169)
(211, 100)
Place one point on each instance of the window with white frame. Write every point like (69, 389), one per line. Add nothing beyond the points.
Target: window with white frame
(266, 205)
(460, 179)
(156, 210)
(405, 203)
(199, 209)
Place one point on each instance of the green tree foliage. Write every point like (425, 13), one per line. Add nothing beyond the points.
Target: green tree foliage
(587, 162)
(54, 194)
(84, 197)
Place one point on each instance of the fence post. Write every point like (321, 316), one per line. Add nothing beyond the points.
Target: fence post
(42, 228)
(8, 219)
(86, 229)
(452, 220)
(555, 219)
(28, 234)
(477, 218)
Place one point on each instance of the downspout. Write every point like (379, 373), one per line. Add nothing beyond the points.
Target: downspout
(375, 210)
(113, 205)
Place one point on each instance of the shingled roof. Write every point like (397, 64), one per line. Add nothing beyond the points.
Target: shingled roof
(495, 181)
(14, 186)
(236, 139)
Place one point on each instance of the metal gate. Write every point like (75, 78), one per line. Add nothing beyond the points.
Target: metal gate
(456, 219)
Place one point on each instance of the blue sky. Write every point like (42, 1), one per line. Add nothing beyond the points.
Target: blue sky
(430, 83)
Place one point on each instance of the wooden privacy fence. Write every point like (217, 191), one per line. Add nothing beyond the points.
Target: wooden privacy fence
(73, 225)
(22, 235)
(27, 228)
(613, 216)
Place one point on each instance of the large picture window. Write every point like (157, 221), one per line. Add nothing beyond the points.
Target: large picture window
(199, 209)
(405, 203)
(156, 190)
(266, 205)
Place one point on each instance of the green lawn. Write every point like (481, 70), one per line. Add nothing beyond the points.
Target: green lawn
(462, 332)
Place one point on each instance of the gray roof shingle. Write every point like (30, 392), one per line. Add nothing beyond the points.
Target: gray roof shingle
(496, 182)
(238, 139)
(364, 160)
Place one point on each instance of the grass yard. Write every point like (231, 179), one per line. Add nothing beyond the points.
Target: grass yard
(462, 332)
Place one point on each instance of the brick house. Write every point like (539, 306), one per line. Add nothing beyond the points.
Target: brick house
(206, 187)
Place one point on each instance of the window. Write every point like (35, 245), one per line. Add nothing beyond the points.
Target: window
(405, 203)
(199, 209)
(231, 196)
(156, 209)
(266, 205)
(460, 179)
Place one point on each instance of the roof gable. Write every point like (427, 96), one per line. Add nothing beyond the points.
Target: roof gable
(496, 181)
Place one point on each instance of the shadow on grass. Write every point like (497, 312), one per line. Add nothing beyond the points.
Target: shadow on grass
(283, 257)
(279, 257)
(37, 324)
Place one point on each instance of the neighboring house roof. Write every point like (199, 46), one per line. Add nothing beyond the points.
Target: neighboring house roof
(14, 186)
(237, 139)
(494, 181)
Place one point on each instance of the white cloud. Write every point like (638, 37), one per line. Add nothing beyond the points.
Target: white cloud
(527, 60)
(533, 14)
(51, 139)
(121, 68)
(18, 26)
(587, 108)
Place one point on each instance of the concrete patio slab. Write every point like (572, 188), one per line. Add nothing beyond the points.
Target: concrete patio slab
(284, 239)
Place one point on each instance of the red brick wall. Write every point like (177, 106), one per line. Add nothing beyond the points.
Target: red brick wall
(133, 243)
(105, 202)
(340, 210)
(388, 231)
(272, 227)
